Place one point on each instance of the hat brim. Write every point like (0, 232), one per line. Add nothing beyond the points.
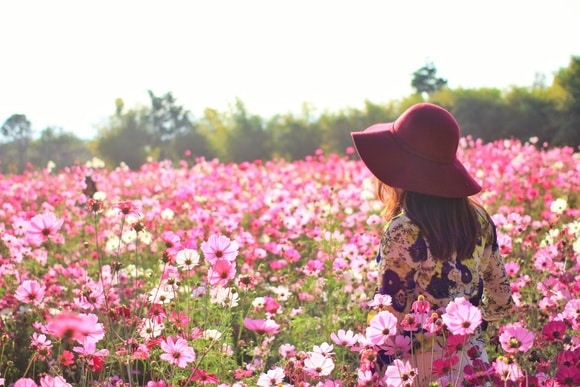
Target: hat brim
(391, 164)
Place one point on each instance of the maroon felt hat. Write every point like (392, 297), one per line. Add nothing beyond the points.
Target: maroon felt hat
(417, 152)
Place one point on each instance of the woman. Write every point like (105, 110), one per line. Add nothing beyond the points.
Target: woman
(439, 244)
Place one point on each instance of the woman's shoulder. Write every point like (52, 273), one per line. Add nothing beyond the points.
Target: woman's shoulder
(485, 221)
(401, 225)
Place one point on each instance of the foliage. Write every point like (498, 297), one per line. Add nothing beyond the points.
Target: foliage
(17, 129)
(425, 80)
(165, 130)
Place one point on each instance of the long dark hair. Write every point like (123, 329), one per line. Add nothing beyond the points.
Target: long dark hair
(450, 225)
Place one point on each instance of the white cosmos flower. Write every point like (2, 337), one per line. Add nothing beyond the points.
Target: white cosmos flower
(211, 334)
(151, 329)
(558, 206)
(187, 259)
(167, 214)
(224, 296)
(162, 295)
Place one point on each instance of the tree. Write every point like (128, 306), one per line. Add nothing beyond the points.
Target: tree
(17, 130)
(169, 120)
(62, 148)
(568, 79)
(425, 80)
(247, 140)
(126, 139)
(481, 113)
(294, 137)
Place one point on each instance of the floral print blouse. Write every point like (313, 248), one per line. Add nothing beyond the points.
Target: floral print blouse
(407, 269)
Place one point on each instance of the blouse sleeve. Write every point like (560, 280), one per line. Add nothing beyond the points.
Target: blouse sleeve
(496, 300)
(401, 252)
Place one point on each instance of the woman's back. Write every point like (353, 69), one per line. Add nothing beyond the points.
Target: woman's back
(408, 269)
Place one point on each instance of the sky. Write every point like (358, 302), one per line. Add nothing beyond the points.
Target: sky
(64, 63)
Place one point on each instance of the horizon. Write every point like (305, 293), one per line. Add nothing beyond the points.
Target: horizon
(274, 57)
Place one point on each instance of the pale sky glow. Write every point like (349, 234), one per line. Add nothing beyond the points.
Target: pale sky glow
(64, 63)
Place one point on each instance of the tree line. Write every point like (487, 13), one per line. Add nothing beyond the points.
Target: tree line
(165, 130)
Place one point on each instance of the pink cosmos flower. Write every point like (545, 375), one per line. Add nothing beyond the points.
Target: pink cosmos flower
(410, 323)
(461, 317)
(571, 311)
(507, 369)
(177, 352)
(42, 227)
(78, 327)
(381, 327)
(53, 381)
(203, 377)
(318, 365)
(219, 246)
(399, 374)
(421, 305)
(512, 268)
(516, 338)
(287, 350)
(433, 324)
(30, 292)
(271, 305)
(345, 338)
(398, 345)
(160, 383)
(127, 208)
(260, 326)
(366, 377)
(41, 345)
(89, 348)
(221, 272)
(25, 382)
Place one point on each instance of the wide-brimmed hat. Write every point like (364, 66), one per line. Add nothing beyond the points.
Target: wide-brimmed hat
(417, 152)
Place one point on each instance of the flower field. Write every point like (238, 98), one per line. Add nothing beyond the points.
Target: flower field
(263, 273)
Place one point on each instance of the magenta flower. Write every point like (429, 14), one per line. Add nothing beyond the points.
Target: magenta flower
(219, 246)
(478, 372)
(399, 374)
(461, 317)
(516, 338)
(261, 326)
(42, 227)
(554, 330)
(177, 352)
(30, 292)
(568, 376)
(382, 326)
